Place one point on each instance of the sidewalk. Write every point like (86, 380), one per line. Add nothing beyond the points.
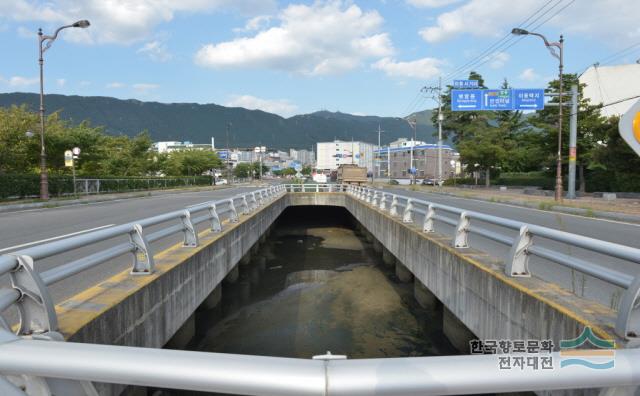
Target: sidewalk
(14, 206)
(620, 209)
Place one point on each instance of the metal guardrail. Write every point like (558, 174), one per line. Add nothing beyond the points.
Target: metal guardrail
(522, 246)
(29, 288)
(262, 375)
(30, 360)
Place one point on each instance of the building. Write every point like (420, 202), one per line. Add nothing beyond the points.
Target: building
(611, 84)
(169, 146)
(425, 161)
(333, 154)
(305, 157)
(404, 142)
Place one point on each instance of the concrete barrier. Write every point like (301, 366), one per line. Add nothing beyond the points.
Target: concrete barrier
(147, 311)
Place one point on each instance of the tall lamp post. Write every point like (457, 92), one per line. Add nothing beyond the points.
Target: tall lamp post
(558, 55)
(44, 43)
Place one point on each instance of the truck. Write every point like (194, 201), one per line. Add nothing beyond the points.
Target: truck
(352, 174)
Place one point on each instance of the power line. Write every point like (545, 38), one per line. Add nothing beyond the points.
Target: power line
(520, 38)
(503, 41)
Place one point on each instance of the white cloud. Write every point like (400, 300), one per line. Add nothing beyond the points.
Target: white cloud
(611, 21)
(529, 75)
(85, 83)
(144, 88)
(26, 33)
(278, 106)
(255, 23)
(156, 51)
(323, 38)
(422, 69)
(120, 21)
(115, 85)
(431, 3)
(498, 59)
(21, 82)
(61, 82)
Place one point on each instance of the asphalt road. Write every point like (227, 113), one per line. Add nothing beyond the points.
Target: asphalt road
(612, 231)
(21, 229)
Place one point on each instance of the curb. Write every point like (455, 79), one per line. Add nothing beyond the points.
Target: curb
(589, 213)
(106, 198)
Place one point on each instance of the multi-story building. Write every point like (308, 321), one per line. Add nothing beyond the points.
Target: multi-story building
(305, 157)
(333, 154)
(425, 161)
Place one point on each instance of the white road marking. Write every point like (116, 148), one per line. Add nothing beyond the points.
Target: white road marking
(52, 239)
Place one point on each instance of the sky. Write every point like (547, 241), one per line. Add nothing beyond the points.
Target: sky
(360, 57)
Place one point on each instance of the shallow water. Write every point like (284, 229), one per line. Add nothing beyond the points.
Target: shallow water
(323, 288)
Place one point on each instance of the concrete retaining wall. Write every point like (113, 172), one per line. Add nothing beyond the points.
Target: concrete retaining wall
(146, 311)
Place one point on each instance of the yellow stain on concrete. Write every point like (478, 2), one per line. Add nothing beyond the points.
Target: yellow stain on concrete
(79, 310)
(542, 287)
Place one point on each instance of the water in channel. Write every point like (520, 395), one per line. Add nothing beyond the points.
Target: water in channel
(321, 288)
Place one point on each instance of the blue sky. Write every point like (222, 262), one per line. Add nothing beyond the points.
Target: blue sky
(361, 57)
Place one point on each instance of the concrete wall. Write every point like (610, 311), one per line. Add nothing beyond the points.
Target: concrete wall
(147, 311)
(472, 286)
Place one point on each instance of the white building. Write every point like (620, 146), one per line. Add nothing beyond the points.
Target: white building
(169, 146)
(608, 84)
(305, 157)
(404, 142)
(333, 154)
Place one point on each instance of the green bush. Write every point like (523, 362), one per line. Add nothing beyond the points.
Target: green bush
(28, 185)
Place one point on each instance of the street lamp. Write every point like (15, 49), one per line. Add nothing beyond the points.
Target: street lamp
(44, 43)
(551, 46)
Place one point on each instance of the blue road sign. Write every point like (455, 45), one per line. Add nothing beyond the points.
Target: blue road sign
(465, 84)
(497, 99)
(222, 155)
(466, 99)
(528, 99)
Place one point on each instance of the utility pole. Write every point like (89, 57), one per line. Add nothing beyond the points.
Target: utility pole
(228, 155)
(413, 124)
(378, 151)
(436, 94)
(573, 140)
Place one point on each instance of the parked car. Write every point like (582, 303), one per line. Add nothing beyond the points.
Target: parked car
(221, 181)
(429, 182)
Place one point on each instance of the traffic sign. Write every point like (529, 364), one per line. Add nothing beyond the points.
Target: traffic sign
(466, 99)
(68, 158)
(629, 127)
(465, 84)
(528, 99)
(497, 99)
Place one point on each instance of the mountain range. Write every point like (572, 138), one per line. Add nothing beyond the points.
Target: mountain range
(198, 123)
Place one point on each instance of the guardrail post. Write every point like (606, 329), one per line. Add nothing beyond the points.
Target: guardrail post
(143, 263)
(394, 206)
(245, 205)
(628, 321)
(369, 195)
(406, 216)
(190, 234)
(317, 188)
(383, 201)
(216, 225)
(518, 260)
(374, 200)
(35, 306)
(428, 225)
(462, 232)
(259, 202)
(234, 213)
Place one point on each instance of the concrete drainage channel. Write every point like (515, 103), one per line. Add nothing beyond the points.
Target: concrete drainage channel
(148, 311)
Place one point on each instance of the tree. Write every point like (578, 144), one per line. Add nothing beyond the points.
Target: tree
(255, 169)
(242, 170)
(306, 170)
(486, 146)
(191, 162)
